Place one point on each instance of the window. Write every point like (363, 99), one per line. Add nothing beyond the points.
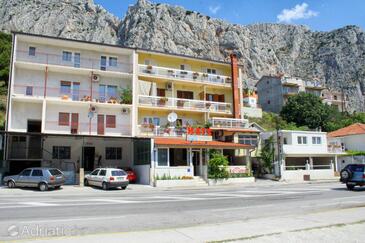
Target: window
(66, 56)
(110, 121)
(302, 140)
(211, 71)
(151, 120)
(316, 140)
(77, 60)
(162, 157)
(31, 51)
(95, 172)
(185, 94)
(113, 153)
(55, 172)
(61, 152)
(247, 139)
(25, 172)
(285, 141)
(118, 173)
(112, 91)
(102, 173)
(268, 102)
(63, 119)
(29, 90)
(103, 63)
(113, 61)
(65, 88)
(37, 173)
(182, 67)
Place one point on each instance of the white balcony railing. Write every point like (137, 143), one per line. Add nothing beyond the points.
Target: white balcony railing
(183, 74)
(228, 123)
(185, 104)
(82, 62)
(149, 130)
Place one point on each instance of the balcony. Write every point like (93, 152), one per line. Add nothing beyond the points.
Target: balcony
(313, 85)
(86, 128)
(229, 123)
(291, 81)
(177, 74)
(290, 91)
(184, 104)
(85, 63)
(150, 130)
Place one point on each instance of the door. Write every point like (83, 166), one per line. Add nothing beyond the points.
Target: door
(74, 123)
(88, 158)
(196, 162)
(24, 178)
(76, 91)
(77, 60)
(35, 177)
(92, 177)
(102, 93)
(100, 178)
(101, 125)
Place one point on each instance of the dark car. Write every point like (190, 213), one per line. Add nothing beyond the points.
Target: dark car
(42, 178)
(353, 175)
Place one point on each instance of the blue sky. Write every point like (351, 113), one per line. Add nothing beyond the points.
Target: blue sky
(321, 15)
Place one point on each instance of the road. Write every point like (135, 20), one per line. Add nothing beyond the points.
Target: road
(89, 211)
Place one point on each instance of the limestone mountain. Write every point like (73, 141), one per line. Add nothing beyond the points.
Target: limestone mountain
(336, 58)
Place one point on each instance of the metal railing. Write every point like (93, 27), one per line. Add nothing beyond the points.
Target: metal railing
(183, 74)
(150, 130)
(184, 104)
(218, 122)
(88, 63)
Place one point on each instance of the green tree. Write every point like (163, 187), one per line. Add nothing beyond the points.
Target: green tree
(218, 166)
(267, 154)
(306, 109)
(5, 53)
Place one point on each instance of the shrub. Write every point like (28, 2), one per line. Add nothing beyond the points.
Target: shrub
(218, 167)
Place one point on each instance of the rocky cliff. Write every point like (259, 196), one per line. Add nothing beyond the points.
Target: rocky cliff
(336, 58)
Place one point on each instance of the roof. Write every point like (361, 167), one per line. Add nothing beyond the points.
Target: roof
(178, 142)
(354, 129)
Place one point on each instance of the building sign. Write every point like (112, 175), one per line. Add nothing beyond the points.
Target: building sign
(198, 134)
(237, 169)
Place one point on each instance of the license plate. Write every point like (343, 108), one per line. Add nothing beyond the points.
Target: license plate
(120, 178)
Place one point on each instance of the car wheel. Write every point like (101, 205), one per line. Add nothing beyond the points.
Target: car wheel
(86, 183)
(43, 187)
(345, 175)
(350, 187)
(105, 186)
(124, 187)
(11, 184)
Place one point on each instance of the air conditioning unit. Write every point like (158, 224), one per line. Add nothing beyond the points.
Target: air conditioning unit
(95, 78)
(125, 111)
(169, 86)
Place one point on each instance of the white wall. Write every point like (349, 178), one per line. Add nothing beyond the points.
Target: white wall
(292, 146)
(355, 142)
(22, 112)
(297, 175)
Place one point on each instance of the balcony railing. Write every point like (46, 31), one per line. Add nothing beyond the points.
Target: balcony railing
(88, 63)
(86, 128)
(313, 84)
(184, 74)
(229, 123)
(335, 149)
(28, 90)
(185, 104)
(149, 130)
(290, 91)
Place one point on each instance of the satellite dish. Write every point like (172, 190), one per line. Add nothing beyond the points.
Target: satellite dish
(172, 117)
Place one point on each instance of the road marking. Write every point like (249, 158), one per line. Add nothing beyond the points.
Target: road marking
(111, 200)
(72, 219)
(243, 207)
(39, 204)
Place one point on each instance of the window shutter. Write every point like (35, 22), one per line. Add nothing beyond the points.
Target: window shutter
(110, 121)
(63, 119)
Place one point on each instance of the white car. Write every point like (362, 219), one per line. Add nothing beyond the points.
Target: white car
(107, 178)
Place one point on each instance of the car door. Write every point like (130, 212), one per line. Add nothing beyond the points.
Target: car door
(23, 178)
(35, 177)
(100, 178)
(93, 177)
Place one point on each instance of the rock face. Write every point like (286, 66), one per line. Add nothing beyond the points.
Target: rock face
(336, 58)
(77, 19)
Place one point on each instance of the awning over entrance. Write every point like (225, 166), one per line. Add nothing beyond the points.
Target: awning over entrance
(182, 143)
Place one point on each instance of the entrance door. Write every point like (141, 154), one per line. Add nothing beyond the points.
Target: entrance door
(101, 125)
(88, 157)
(196, 163)
(74, 123)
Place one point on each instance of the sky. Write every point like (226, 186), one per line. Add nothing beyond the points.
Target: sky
(319, 15)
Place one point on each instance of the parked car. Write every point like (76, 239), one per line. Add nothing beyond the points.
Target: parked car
(42, 178)
(132, 176)
(107, 178)
(353, 175)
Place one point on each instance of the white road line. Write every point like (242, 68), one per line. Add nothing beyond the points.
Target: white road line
(111, 200)
(72, 219)
(243, 207)
(39, 204)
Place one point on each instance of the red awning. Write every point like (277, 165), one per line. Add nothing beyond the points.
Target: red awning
(177, 142)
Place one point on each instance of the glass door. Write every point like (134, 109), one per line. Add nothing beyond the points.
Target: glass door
(103, 63)
(102, 91)
(76, 91)
(77, 60)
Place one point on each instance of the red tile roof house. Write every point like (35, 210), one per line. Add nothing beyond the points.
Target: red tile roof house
(350, 138)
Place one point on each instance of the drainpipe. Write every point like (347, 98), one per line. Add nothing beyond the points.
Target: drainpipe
(235, 87)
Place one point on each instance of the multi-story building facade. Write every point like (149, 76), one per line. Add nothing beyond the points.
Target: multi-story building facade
(251, 108)
(75, 104)
(274, 91)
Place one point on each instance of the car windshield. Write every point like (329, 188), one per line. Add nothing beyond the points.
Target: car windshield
(118, 173)
(55, 172)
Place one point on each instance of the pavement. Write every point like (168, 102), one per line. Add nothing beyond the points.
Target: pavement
(270, 211)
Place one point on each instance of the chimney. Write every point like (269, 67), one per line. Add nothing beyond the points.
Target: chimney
(235, 88)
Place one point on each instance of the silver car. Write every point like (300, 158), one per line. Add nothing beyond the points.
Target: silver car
(42, 178)
(107, 178)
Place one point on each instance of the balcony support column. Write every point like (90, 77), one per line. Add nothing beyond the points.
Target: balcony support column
(45, 82)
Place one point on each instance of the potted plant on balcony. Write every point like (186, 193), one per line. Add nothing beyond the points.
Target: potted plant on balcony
(228, 80)
(126, 96)
(180, 103)
(64, 97)
(162, 101)
(183, 74)
(149, 69)
(112, 100)
(170, 72)
(205, 75)
(195, 75)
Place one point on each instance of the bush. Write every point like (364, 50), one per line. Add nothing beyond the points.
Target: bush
(218, 167)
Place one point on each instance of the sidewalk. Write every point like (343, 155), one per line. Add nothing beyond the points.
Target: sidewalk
(311, 227)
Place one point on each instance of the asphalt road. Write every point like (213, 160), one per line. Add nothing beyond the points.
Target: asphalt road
(34, 214)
